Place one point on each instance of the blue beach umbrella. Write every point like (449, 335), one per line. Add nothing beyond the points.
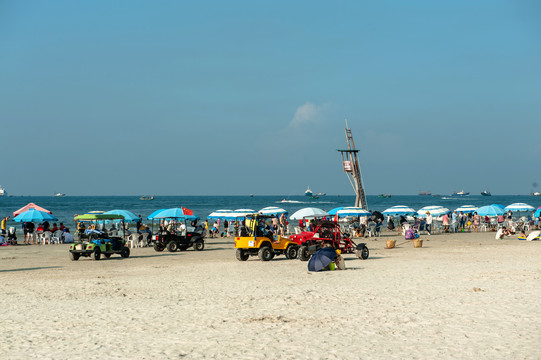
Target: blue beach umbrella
(128, 215)
(173, 213)
(490, 210)
(33, 215)
(399, 210)
(321, 259)
(537, 212)
(498, 205)
(151, 216)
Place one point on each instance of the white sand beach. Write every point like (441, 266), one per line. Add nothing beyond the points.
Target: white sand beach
(460, 296)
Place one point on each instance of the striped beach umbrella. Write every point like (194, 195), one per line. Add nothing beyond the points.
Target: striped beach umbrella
(435, 211)
(466, 209)
(399, 210)
(273, 210)
(519, 207)
(349, 211)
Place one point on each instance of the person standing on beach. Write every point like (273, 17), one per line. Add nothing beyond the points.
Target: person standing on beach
(283, 224)
(428, 225)
(476, 222)
(3, 226)
(30, 232)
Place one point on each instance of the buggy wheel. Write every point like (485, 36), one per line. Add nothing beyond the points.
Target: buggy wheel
(107, 255)
(304, 253)
(363, 253)
(74, 256)
(172, 246)
(292, 252)
(241, 255)
(157, 246)
(96, 254)
(125, 252)
(199, 245)
(265, 253)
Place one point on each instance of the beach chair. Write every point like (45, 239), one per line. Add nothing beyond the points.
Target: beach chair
(45, 237)
(57, 237)
(371, 229)
(144, 239)
(133, 240)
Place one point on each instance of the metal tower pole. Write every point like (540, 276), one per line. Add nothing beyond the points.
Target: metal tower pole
(353, 170)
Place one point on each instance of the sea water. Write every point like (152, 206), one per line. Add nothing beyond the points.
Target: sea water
(65, 208)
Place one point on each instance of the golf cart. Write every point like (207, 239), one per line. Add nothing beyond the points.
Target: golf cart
(257, 239)
(327, 232)
(180, 233)
(94, 242)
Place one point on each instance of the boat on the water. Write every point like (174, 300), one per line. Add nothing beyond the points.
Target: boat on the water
(151, 197)
(308, 192)
(486, 193)
(425, 193)
(3, 191)
(384, 195)
(535, 193)
(59, 194)
(321, 194)
(460, 193)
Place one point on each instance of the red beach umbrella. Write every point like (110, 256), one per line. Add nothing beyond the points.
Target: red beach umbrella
(30, 206)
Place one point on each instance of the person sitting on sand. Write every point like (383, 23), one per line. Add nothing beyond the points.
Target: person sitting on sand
(501, 233)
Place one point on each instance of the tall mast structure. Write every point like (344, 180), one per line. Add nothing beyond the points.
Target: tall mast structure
(353, 170)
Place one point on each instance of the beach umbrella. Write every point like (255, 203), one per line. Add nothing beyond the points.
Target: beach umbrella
(221, 214)
(273, 210)
(151, 216)
(490, 210)
(537, 212)
(498, 205)
(435, 211)
(466, 209)
(173, 213)
(128, 215)
(31, 206)
(519, 207)
(33, 215)
(399, 210)
(349, 211)
(321, 259)
(534, 235)
(243, 212)
(310, 212)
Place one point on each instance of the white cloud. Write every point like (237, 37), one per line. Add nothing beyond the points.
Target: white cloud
(306, 114)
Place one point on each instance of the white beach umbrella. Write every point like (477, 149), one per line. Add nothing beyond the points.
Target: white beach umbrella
(243, 212)
(435, 211)
(273, 210)
(534, 235)
(466, 209)
(399, 210)
(518, 207)
(308, 213)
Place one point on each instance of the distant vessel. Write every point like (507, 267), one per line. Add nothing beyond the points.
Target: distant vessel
(321, 194)
(151, 197)
(58, 194)
(3, 191)
(384, 195)
(536, 193)
(308, 192)
(251, 195)
(486, 193)
(460, 193)
(425, 193)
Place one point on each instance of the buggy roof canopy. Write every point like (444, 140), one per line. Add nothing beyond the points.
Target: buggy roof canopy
(91, 217)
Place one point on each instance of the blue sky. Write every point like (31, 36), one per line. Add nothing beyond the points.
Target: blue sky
(239, 97)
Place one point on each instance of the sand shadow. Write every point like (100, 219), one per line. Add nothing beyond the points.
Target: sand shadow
(32, 269)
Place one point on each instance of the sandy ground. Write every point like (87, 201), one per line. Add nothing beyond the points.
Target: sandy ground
(461, 296)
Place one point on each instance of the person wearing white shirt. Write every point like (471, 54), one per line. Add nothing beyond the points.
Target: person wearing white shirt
(428, 225)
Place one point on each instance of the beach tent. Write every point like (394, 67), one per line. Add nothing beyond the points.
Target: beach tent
(399, 210)
(31, 206)
(349, 211)
(519, 207)
(490, 210)
(128, 215)
(273, 210)
(33, 215)
(466, 209)
(435, 211)
(308, 213)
